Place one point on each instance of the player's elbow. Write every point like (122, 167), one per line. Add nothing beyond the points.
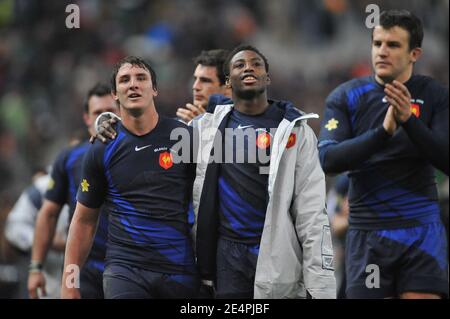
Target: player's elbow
(328, 166)
(49, 210)
(85, 215)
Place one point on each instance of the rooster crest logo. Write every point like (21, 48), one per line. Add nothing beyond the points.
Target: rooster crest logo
(263, 141)
(165, 160)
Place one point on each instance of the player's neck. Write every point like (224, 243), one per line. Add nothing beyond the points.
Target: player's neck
(255, 106)
(140, 124)
(402, 78)
(227, 92)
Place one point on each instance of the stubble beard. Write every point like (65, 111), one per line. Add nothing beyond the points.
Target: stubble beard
(134, 112)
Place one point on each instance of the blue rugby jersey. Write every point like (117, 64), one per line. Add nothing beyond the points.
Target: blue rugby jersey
(62, 189)
(392, 183)
(242, 187)
(146, 195)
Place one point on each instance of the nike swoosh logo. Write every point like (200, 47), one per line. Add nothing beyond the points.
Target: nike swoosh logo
(244, 127)
(137, 149)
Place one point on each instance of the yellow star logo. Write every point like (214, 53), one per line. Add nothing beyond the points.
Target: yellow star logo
(51, 183)
(332, 125)
(85, 186)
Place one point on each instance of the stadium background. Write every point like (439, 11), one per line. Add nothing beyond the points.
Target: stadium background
(46, 68)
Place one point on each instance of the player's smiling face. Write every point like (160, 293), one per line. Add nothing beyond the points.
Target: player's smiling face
(134, 88)
(392, 58)
(248, 75)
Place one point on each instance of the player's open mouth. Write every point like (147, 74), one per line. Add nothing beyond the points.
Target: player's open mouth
(249, 79)
(134, 96)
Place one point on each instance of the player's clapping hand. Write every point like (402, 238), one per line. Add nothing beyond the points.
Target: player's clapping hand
(186, 114)
(400, 98)
(390, 123)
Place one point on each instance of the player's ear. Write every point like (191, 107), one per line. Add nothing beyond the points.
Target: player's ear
(114, 96)
(268, 79)
(154, 89)
(86, 119)
(227, 82)
(416, 53)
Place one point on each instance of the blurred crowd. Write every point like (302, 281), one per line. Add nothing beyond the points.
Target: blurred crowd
(47, 68)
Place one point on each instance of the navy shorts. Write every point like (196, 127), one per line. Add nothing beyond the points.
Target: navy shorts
(236, 268)
(387, 263)
(122, 281)
(91, 280)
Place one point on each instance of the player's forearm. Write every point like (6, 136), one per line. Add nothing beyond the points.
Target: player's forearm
(43, 235)
(79, 240)
(432, 145)
(59, 242)
(350, 154)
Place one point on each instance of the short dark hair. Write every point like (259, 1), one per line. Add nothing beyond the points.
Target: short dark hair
(100, 89)
(407, 21)
(239, 48)
(214, 58)
(133, 60)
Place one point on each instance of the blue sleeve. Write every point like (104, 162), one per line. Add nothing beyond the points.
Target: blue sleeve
(339, 150)
(432, 141)
(57, 189)
(93, 185)
(336, 124)
(348, 155)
